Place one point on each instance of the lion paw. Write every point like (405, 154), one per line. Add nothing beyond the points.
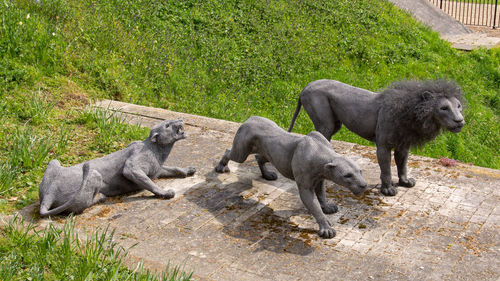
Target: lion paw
(388, 190)
(407, 183)
(222, 169)
(190, 171)
(102, 198)
(329, 209)
(168, 194)
(326, 233)
(270, 176)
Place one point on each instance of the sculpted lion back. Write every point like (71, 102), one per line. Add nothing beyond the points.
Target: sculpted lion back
(406, 114)
(308, 160)
(75, 188)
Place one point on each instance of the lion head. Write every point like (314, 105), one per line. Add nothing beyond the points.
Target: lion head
(167, 132)
(347, 173)
(419, 110)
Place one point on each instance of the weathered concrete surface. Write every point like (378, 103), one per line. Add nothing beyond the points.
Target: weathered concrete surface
(238, 226)
(432, 16)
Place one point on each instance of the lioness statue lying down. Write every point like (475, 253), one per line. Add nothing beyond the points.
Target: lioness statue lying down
(406, 114)
(75, 188)
(308, 160)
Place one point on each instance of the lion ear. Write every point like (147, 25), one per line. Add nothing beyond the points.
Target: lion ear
(425, 96)
(154, 137)
(330, 166)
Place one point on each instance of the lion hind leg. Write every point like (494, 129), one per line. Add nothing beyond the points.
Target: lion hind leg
(242, 147)
(46, 204)
(233, 155)
(74, 204)
(93, 190)
(336, 126)
(268, 175)
(322, 116)
(48, 189)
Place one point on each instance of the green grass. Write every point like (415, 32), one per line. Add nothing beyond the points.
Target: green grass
(28, 151)
(59, 254)
(110, 127)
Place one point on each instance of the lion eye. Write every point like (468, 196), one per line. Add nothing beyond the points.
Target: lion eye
(444, 108)
(348, 176)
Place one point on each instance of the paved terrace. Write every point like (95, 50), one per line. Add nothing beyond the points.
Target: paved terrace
(237, 226)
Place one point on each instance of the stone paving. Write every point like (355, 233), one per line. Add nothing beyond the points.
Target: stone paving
(238, 226)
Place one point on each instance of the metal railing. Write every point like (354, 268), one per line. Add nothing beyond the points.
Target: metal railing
(472, 12)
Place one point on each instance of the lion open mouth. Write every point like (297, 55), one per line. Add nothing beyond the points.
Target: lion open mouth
(180, 131)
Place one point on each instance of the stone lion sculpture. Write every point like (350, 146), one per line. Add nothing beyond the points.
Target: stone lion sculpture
(75, 188)
(406, 114)
(308, 160)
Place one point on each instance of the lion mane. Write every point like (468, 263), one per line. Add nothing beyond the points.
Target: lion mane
(411, 105)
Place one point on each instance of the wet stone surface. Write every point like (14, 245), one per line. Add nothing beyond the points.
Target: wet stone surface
(240, 226)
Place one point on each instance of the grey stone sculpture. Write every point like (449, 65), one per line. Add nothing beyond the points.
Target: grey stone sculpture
(408, 113)
(75, 188)
(308, 160)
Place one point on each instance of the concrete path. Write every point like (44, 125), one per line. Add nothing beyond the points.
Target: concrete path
(238, 226)
(432, 16)
(449, 28)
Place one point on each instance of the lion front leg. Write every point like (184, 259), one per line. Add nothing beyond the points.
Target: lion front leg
(401, 157)
(384, 162)
(307, 196)
(140, 178)
(167, 171)
(327, 208)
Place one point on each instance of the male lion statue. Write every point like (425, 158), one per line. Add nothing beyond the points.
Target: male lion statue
(408, 113)
(75, 188)
(308, 160)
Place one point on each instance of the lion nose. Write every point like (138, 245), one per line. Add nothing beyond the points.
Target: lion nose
(359, 192)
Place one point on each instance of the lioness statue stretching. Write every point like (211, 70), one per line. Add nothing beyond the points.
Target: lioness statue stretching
(406, 114)
(75, 188)
(308, 160)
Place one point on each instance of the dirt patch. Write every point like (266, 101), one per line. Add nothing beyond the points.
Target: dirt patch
(104, 212)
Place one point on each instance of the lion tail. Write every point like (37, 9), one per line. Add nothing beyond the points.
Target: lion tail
(44, 208)
(295, 115)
